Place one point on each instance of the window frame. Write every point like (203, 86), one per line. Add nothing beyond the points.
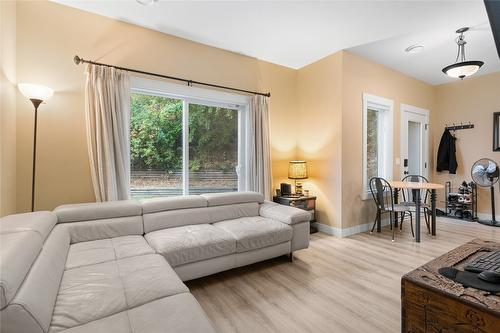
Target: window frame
(195, 95)
(385, 141)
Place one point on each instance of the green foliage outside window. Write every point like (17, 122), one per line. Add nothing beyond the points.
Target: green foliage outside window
(372, 144)
(156, 135)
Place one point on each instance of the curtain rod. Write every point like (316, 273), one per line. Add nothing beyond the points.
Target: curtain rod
(190, 83)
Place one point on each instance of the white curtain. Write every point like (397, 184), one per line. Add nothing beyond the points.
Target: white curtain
(107, 111)
(259, 173)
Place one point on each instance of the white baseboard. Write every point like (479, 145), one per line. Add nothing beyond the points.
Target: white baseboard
(346, 232)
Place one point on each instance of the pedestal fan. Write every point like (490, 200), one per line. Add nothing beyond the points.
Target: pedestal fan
(485, 173)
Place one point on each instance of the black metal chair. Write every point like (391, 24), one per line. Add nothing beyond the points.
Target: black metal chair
(384, 200)
(409, 198)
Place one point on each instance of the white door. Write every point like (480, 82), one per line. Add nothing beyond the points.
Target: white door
(414, 141)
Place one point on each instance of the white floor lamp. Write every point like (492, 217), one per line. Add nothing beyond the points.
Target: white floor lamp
(36, 94)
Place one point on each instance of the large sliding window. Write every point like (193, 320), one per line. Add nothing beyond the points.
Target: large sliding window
(186, 140)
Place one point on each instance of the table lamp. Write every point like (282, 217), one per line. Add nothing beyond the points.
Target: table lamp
(36, 94)
(297, 170)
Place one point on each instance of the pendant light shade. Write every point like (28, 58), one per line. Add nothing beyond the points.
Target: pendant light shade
(462, 68)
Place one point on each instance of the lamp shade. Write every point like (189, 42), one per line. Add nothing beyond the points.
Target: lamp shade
(35, 91)
(297, 170)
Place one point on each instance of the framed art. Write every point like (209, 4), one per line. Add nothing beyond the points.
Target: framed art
(496, 131)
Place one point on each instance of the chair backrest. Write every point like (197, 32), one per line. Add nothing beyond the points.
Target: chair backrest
(410, 195)
(382, 193)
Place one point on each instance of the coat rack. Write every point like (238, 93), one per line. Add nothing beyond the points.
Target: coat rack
(458, 127)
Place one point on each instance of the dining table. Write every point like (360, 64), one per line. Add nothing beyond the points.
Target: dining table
(398, 185)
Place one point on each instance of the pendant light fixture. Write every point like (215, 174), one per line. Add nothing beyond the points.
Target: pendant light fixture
(462, 68)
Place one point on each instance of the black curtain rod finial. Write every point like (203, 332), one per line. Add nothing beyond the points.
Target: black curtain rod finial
(77, 60)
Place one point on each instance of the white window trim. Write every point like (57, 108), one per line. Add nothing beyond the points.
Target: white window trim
(386, 141)
(209, 97)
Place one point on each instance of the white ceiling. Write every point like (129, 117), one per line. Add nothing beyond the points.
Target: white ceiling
(296, 33)
(440, 50)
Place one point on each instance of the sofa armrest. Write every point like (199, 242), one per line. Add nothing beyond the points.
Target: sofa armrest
(285, 214)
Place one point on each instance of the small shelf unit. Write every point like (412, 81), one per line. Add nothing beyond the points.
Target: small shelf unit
(457, 207)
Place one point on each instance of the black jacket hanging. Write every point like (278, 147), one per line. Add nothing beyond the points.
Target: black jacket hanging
(446, 157)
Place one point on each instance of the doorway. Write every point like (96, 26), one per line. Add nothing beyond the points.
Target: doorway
(414, 141)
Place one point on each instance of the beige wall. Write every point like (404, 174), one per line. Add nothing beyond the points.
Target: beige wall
(49, 35)
(474, 99)
(319, 132)
(8, 108)
(281, 82)
(363, 76)
(330, 138)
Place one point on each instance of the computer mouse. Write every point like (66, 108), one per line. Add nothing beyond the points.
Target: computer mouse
(489, 276)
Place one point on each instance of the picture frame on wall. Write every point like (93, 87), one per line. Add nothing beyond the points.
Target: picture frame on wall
(496, 131)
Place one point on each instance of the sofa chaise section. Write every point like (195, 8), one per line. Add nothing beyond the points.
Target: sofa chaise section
(97, 291)
(180, 313)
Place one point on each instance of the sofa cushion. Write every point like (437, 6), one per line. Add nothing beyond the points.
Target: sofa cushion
(97, 211)
(96, 291)
(182, 217)
(172, 203)
(180, 313)
(256, 232)
(31, 308)
(18, 251)
(40, 222)
(191, 243)
(231, 198)
(102, 250)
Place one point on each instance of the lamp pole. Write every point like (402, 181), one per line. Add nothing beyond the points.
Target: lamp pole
(36, 104)
(36, 94)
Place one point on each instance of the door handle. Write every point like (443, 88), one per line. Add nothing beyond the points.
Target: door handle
(405, 172)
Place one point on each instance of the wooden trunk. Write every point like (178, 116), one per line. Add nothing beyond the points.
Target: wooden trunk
(432, 303)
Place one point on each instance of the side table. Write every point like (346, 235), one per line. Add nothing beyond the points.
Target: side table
(305, 203)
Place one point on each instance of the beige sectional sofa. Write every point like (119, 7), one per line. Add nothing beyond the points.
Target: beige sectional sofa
(120, 266)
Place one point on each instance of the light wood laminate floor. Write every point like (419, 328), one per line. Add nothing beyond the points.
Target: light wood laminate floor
(336, 285)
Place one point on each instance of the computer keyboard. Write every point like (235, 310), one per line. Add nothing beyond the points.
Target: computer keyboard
(488, 262)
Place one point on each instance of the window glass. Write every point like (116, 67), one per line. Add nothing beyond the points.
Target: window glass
(157, 152)
(372, 143)
(155, 146)
(213, 149)
(377, 140)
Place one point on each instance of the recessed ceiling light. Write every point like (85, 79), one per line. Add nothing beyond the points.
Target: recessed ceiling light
(146, 2)
(416, 48)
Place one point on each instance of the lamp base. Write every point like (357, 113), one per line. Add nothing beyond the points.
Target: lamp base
(298, 188)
